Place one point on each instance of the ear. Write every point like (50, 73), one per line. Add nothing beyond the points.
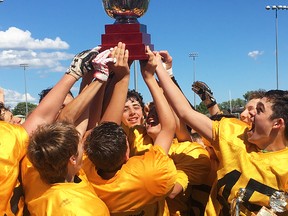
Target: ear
(72, 160)
(279, 123)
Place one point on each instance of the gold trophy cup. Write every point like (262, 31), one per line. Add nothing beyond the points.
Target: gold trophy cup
(126, 27)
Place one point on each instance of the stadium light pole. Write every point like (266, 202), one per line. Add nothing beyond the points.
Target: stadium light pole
(193, 55)
(26, 102)
(276, 8)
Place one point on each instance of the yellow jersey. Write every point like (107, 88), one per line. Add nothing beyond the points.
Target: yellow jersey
(193, 166)
(139, 187)
(13, 143)
(68, 198)
(242, 165)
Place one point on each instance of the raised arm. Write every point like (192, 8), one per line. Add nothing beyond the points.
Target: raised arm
(206, 95)
(181, 132)
(114, 109)
(49, 107)
(201, 123)
(77, 111)
(165, 115)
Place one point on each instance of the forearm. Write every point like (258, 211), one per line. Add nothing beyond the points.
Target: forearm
(76, 107)
(176, 190)
(164, 112)
(96, 106)
(182, 108)
(49, 107)
(116, 104)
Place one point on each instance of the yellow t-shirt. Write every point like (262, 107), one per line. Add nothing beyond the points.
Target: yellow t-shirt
(139, 141)
(61, 198)
(139, 187)
(193, 166)
(243, 166)
(13, 142)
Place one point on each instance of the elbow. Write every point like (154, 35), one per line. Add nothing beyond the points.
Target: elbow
(172, 195)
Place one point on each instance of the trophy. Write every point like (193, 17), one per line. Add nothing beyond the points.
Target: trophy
(278, 203)
(126, 27)
(236, 202)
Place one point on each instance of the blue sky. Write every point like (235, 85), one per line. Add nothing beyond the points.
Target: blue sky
(234, 39)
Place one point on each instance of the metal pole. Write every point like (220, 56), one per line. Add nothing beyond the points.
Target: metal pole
(25, 85)
(194, 55)
(276, 30)
(276, 8)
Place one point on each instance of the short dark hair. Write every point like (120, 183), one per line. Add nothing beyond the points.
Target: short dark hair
(44, 92)
(106, 146)
(257, 94)
(218, 117)
(50, 148)
(279, 100)
(134, 95)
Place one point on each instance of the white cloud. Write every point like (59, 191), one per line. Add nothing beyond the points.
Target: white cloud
(15, 38)
(12, 98)
(18, 47)
(32, 58)
(254, 54)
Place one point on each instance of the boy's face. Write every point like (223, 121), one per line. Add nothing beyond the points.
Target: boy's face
(250, 106)
(262, 126)
(153, 126)
(8, 117)
(133, 114)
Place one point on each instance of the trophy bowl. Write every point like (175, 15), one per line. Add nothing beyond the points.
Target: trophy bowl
(125, 11)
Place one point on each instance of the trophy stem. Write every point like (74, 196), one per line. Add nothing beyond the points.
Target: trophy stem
(125, 19)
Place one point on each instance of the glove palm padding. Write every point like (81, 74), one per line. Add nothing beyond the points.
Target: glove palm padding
(82, 63)
(204, 92)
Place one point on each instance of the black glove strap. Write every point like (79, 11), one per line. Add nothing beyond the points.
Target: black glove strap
(211, 104)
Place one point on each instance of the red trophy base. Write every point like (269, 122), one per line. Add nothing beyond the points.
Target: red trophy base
(134, 35)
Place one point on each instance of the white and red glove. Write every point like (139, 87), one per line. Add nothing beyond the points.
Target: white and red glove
(101, 70)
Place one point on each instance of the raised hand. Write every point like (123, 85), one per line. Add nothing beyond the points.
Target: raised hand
(100, 65)
(120, 54)
(81, 63)
(167, 61)
(204, 92)
(148, 67)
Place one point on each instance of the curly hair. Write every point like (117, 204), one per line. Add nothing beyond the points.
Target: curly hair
(134, 95)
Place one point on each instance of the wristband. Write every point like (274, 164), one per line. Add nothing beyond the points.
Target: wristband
(170, 72)
(211, 104)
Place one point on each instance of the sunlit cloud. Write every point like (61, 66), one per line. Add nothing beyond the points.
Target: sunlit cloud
(255, 54)
(12, 98)
(18, 47)
(15, 38)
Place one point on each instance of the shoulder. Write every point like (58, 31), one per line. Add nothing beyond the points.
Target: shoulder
(154, 166)
(14, 140)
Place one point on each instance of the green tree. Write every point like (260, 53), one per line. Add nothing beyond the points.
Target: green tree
(236, 105)
(20, 108)
(202, 108)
